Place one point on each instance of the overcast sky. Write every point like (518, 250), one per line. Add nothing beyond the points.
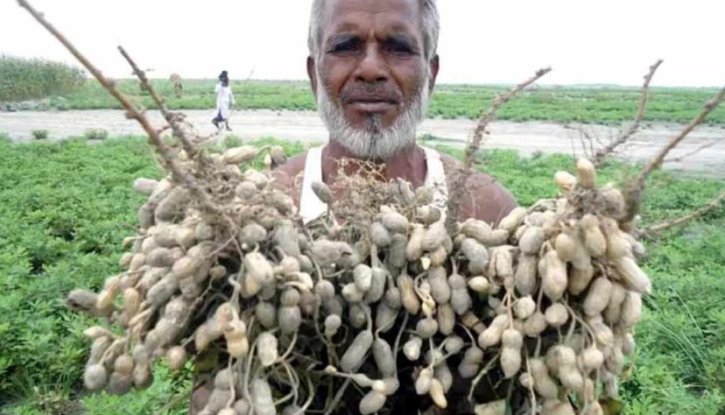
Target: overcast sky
(482, 41)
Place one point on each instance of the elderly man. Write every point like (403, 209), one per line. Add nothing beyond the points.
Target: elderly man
(372, 67)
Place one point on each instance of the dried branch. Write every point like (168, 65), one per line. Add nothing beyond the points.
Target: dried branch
(698, 213)
(475, 143)
(167, 157)
(634, 191)
(490, 114)
(587, 141)
(172, 118)
(584, 139)
(691, 153)
(657, 161)
(603, 153)
(587, 138)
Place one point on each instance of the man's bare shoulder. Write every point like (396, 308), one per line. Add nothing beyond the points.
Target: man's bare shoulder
(293, 166)
(287, 176)
(483, 197)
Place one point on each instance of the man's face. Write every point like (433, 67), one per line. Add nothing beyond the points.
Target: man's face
(371, 77)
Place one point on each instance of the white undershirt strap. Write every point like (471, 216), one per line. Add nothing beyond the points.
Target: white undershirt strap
(311, 207)
(435, 179)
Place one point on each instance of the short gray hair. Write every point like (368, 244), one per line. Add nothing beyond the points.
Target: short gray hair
(431, 27)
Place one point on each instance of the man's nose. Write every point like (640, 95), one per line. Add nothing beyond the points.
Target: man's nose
(372, 67)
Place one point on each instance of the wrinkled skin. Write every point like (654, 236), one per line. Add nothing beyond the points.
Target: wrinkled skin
(371, 59)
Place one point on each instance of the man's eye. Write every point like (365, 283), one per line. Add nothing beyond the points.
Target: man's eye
(342, 47)
(399, 48)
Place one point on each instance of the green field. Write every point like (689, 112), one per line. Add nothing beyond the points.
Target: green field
(67, 205)
(562, 104)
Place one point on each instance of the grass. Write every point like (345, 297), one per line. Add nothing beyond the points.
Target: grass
(554, 103)
(67, 205)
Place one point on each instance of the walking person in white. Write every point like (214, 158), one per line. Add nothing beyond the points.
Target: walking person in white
(224, 102)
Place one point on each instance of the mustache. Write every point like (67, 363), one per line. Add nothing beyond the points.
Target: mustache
(373, 140)
(370, 93)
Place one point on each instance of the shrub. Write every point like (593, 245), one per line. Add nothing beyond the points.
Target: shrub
(232, 141)
(96, 134)
(39, 134)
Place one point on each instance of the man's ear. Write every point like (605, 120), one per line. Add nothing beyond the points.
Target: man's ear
(312, 74)
(434, 67)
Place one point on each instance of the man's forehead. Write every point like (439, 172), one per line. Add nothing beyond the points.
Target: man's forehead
(395, 15)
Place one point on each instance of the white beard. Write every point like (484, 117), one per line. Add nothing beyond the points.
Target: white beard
(373, 141)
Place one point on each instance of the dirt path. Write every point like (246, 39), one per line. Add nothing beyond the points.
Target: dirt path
(526, 137)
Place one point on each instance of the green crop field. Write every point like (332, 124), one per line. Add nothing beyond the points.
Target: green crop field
(65, 207)
(552, 103)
